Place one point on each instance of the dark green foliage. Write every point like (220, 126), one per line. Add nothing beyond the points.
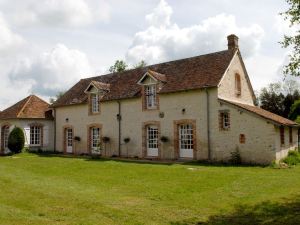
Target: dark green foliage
(141, 64)
(279, 97)
(16, 140)
(127, 140)
(292, 159)
(119, 66)
(295, 110)
(57, 96)
(293, 41)
(235, 158)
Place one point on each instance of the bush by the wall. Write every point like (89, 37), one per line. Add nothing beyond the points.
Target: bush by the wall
(293, 158)
(16, 140)
(236, 158)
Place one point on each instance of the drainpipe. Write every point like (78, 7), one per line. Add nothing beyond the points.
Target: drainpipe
(119, 126)
(54, 115)
(208, 124)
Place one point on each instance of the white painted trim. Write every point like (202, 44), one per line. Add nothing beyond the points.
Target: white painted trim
(146, 74)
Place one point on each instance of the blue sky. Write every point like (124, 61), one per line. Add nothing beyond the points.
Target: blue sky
(48, 45)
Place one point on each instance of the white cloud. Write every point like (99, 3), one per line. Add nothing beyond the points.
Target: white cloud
(161, 15)
(51, 71)
(164, 40)
(60, 12)
(9, 41)
(283, 26)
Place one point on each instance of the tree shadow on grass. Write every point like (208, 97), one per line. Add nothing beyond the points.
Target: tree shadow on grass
(266, 213)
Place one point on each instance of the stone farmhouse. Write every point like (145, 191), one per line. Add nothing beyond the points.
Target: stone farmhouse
(199, 108)
(33, 115)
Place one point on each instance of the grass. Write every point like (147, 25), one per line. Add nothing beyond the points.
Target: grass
(60, 190)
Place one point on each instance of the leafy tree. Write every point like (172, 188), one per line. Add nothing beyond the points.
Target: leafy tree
(140, 64)
(295, 111)
(279, 97)
(119, 66)
(271, 101)
(57, 96)
(16, 140)
(293, 41)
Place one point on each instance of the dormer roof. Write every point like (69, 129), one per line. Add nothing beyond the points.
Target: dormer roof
(157, 77)
(100, 86)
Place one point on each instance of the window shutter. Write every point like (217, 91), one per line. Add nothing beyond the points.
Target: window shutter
(228, 115)
(220, 120)
(27, 136)
(45, 136)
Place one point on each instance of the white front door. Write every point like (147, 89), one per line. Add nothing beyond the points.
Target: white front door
(186, 142)
(69, 140)
(152, 141)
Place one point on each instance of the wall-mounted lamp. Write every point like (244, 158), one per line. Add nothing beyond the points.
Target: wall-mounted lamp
(183, 111)
(67, 120)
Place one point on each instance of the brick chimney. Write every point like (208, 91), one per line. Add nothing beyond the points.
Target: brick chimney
(233, 42)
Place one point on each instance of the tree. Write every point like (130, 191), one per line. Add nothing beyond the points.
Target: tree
(293, 41)
(271, 101)
(57, 96)
(140, 64)
(295, 111)
(16, 140)
(279, 97)
(119, 66)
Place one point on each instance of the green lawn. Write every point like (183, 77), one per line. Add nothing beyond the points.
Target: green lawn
(60, 190)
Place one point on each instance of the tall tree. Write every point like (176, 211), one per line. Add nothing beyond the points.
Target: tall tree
(119, 66)
(295, 111)
(293, 41)
(57, 96)
(140, 64)
(279, 97)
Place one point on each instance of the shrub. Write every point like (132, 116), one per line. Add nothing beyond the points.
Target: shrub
(105, 139)
(164, 139)
(235, 158)
(77, 138)
(293, 158)
(16, 140)
(127, 140)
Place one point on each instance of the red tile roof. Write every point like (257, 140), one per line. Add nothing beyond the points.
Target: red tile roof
(31, 107)
(263, 113)
(180, 75)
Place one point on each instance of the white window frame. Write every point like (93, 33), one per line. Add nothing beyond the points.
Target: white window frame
(150, 94)
(95, 103)
(35, 135)
(152, 137)
(186, 137)
(226, 122)
(5, 136)
(95, 138)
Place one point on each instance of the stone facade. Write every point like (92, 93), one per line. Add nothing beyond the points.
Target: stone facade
(47, 132)
(261, 137)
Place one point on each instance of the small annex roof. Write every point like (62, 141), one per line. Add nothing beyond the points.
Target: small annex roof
(263, 113)
(31, 107)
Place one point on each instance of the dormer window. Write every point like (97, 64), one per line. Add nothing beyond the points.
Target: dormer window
(96, 91)
(152, 82)
(238, 86)
(95, 103)
(150, 95)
